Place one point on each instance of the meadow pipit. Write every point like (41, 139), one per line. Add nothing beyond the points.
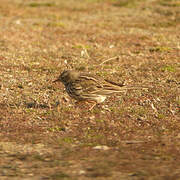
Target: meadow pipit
(84, 87)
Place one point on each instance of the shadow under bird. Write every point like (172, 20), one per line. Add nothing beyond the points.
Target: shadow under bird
(84, 87)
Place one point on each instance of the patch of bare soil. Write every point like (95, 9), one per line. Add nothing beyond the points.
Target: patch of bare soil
(44, 134)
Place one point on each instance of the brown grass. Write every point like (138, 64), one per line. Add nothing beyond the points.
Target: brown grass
(45, 134)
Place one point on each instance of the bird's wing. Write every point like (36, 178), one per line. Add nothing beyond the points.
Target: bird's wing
(91, 85)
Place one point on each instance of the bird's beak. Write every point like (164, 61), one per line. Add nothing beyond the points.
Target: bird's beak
(56, 80)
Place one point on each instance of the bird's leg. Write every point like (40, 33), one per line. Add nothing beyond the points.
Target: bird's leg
(87, 102)
(94, 104)
(79, 103)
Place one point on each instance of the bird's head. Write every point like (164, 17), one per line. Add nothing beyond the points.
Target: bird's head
(67, 76)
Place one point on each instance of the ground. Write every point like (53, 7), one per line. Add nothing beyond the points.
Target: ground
(44, 134)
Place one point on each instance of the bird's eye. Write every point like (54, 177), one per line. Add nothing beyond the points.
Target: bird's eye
(63, 76)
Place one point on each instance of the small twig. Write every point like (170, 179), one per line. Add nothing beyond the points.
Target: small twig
(85, 50)
(116, 57)
(133, 142)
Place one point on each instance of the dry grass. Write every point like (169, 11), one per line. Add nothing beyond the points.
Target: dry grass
(46, 135)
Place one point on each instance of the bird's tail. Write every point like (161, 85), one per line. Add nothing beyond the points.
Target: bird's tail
(122, 87)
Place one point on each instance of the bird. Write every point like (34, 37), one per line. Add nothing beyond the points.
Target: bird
(85, 87)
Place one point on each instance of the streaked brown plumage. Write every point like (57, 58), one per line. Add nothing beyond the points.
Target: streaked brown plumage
(84, 87)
